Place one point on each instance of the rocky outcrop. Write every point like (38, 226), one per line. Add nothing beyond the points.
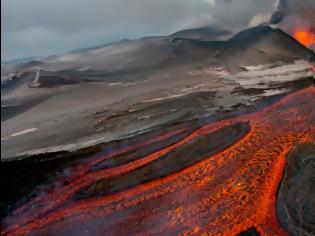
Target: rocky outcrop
(296, 196)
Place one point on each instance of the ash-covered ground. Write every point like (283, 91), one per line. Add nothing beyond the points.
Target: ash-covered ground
(83, 98)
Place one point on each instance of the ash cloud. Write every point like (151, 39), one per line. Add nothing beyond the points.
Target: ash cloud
(293, 14)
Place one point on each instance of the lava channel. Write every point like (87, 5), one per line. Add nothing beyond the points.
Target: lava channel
(222, 191)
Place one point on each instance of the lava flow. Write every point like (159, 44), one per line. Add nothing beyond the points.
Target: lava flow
(220, 179)
(307, 38)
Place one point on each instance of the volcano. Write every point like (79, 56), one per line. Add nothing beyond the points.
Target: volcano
(179, 134)
(258, 45)
(50, 89)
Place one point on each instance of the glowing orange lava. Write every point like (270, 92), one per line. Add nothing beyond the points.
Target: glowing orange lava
(306, 38)
(224, 194)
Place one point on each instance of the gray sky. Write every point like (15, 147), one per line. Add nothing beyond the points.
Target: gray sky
(45, 27)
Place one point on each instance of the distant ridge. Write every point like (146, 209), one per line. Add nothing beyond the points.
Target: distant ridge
(254, 46)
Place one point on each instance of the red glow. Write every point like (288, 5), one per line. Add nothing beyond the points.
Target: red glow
(307, 38)
(225, 194)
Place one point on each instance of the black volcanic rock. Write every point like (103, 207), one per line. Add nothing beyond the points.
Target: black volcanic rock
(250, 232)
(296, 196)
(202, 147)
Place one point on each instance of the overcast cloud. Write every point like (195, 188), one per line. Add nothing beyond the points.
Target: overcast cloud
(44, 27)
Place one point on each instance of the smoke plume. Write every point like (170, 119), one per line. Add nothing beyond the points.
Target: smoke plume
(297, 18)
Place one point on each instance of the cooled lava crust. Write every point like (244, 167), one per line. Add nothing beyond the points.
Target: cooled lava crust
(219, 179)
(296, 197)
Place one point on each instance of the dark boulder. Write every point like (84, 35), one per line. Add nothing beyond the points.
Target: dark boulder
(296, 196)
(249, 232)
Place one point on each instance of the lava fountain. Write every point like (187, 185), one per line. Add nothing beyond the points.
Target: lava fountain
(307, 38)
(220, 179)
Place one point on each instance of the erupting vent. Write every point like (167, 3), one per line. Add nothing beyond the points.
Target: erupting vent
(307, 38)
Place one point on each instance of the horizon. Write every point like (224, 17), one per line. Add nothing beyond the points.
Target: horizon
(31, 58)
(32, 30)
(15, 61)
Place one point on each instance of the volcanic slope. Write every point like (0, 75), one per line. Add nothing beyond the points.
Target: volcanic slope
(202, 33)
(254, 46)
(66, 97)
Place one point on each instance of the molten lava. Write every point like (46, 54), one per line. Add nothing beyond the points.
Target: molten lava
(224, 194)
(307, 38)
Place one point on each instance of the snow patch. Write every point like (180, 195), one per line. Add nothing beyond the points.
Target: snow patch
(164, 98)
(274, 73)
(26, 131)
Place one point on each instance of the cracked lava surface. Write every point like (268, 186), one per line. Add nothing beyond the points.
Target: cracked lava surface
(219, 191)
